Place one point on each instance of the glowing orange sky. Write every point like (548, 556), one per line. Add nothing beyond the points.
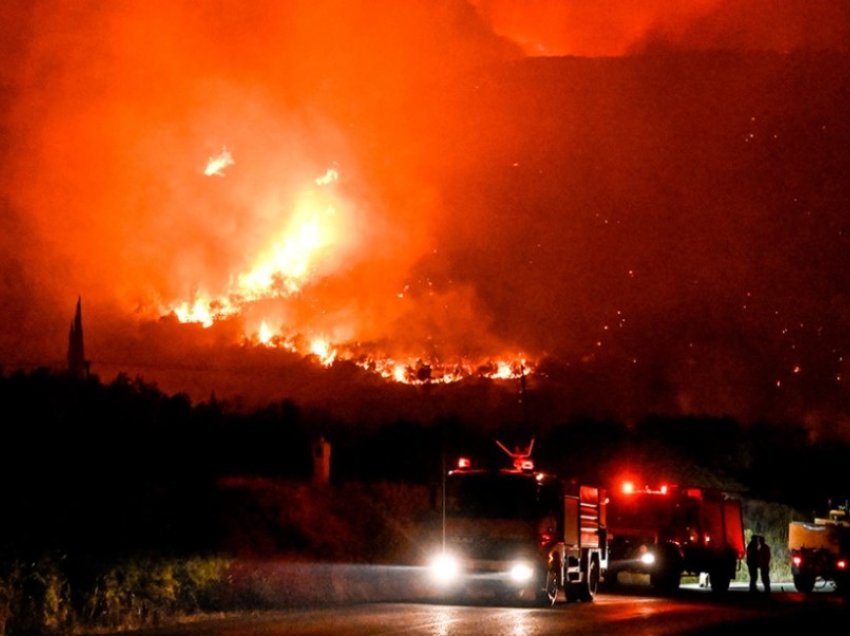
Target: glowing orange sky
(110, 112)
(118, 108)
(618, 27)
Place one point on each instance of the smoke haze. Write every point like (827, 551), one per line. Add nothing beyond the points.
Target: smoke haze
(600, 211)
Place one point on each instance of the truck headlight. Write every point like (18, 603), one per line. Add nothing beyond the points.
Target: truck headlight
(647, 558)
(444, 568)
(521, 572)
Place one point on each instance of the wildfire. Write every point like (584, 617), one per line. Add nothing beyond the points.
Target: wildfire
(323, 350)
(265, 335)
(403, 371)
(284, 267)
(205, 311)
(310, 233)
(329, 177)
(417, 371)
(216, 164)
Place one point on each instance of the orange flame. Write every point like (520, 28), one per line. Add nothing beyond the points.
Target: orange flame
(282, 268)
(286, 264)
(323, 351)
(216, 164)
(329, 177)
(291, 259)
(265, 335)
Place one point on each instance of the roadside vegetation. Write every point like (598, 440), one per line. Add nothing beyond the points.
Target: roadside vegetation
(125, 507)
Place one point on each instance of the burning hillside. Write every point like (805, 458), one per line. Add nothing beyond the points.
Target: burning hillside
(318, 223)
(404, 190)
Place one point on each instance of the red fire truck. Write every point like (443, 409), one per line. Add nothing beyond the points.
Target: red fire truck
(520, 534)
(670, 531)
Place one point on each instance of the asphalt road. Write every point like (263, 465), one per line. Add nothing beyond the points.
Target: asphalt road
(633, 610)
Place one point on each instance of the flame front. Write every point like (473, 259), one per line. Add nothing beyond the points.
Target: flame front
(323, 350)
(282, 270)
(291, 261)
(265, 335)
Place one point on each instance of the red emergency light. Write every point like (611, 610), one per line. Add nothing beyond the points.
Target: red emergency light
(464, 462)
(841, 564)
(628, 488)
(545, 538)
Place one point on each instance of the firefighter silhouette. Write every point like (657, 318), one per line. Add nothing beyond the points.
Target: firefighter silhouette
(764, 563)
(753, 561)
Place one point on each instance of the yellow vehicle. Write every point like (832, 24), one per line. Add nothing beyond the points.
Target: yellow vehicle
(820, 551)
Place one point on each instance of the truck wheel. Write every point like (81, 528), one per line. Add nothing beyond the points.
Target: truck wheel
(591, 585)
(804, 583)
(719, 580)
(667, 576)
(549, 594)
(608, 582)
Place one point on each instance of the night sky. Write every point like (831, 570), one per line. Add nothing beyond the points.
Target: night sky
(649, 205)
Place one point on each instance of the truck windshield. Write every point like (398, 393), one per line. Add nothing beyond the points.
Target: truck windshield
(494, 496)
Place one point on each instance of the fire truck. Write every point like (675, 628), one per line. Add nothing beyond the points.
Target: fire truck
(670, 531)
(820, 551)
(520, 534)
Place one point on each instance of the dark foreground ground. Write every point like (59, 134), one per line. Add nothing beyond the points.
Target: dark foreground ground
(690, 613)
(359, 600)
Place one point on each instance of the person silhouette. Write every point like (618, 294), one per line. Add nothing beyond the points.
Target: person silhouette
(753, 561)
(764, 563)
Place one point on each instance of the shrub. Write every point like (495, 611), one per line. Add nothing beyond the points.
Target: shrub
(771, 521)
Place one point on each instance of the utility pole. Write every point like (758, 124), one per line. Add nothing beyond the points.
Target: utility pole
(443, 504)
(523, 395)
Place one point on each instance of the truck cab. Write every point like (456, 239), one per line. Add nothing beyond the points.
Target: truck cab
(518, 533)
